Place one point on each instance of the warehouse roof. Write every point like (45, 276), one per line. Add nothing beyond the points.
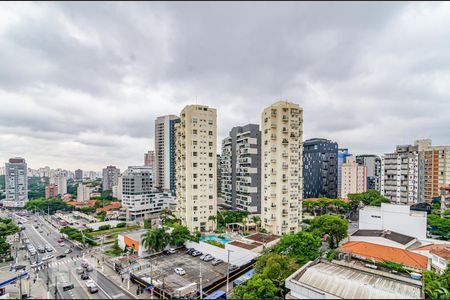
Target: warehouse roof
(344, 280)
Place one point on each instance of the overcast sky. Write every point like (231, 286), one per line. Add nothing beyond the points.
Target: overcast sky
(81, 83)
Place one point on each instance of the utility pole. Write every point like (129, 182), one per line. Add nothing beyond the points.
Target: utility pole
(20, 288)
(201, 287)
(228, 272)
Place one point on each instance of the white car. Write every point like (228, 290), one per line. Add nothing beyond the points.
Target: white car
(179, 271)
(47, 257)
(171, 251)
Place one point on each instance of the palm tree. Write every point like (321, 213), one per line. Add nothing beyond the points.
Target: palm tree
(212, 218)
(256, 220)
(155, 240)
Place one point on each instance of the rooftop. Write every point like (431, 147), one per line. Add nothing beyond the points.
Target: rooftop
(113, 205)
(347, 281)
(262, 238)
(381, 253)
(430, 247)
(248, 246)
(442, 252)
(387, 234)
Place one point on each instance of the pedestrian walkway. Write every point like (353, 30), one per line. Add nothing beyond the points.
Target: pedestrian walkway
(53, 264)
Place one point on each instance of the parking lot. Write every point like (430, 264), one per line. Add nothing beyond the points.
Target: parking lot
(163, 271)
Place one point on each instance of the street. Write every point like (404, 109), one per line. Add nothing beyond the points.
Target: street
(55, 271)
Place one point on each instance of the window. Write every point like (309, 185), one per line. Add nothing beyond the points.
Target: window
(195, 219)
(194, 153)
(210, 122)
(195, 175)
(210, 165)
(210, 132)
(195, 208)
(194, 131)
(210, 207)
(210, 175)
(194, 143)
(210, 144)
(194, 120)
(210, 154)
(195, 165)
(194, 186)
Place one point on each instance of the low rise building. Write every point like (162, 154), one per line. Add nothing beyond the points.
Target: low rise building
(321, 279)
(394, 217)
(375, 252)
(383, 237)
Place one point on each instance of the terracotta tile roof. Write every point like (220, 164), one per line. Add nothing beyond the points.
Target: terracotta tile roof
(261, 237)
(380, 253)
(113, 205)
(89, 203)
(431, 247)
(442, 252)
(245, 245)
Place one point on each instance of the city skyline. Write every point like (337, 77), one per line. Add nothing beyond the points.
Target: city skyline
(369, 78)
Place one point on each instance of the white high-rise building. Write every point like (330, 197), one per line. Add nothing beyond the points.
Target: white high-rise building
(196, 167)
(164, 156)
(353, 177)
(84, 192)
(61, 183)
(110, 177)
(400, 175)
(281, 165)
(16, 183)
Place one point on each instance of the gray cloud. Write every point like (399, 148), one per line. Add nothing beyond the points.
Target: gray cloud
(81, 83)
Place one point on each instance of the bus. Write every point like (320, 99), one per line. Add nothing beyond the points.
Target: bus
(217, 295)
(244, 278)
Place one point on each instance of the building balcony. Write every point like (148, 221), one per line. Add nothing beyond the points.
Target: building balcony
(285, 142)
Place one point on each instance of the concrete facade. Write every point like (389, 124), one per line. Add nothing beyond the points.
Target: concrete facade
(342, 156)
(16, 183)
(164, 167)
(354, 177)
(241, 169)
(281, 167)
(320, 168)
(110, 177)
(373, 164)
(196, 167)
(400, 175)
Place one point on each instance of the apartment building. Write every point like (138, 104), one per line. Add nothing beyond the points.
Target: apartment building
(320, 168)
(110, 177)
(400, 175)
(78, 175)
(373, 164)
(16, 183)
(196, 167)
(149, 159)
(434, 169)
(241, 169)
(342, 155)
(84, 192)
(51, 191)
(165, 152)
(354, 177)
(281, 167)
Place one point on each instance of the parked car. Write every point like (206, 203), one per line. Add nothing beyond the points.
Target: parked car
(89, 268)
(67, 286)
(61, 256)
(68, 251)
(60, 240)
(233, 267)
(217, 262)
(48, 248)
(84, 276)
(41, 249)
(189, 250)
(208, 257)
(79, 270)
(84, 264)
(171, 250)
(180, 271)
(36, 264)
(196, 253)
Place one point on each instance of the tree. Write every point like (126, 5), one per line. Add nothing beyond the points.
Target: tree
(155, 240)
(121, 225)
(212, 218)
(7, 227)
(436, 286)
(257, 221)
(301, 246)
(332, 225)
(47, 205)
(104, 227)
(87, 210)
(276, 267)
(370, 197)
(147, 224)
(179, 235)
(256, 287)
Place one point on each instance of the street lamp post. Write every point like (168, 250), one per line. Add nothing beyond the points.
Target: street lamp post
(228, 271)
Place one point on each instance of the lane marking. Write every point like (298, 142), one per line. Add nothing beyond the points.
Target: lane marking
(44, 239)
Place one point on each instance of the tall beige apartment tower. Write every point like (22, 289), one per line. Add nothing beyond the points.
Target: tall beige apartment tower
(353, 177)
(281, 166)
(196, 167)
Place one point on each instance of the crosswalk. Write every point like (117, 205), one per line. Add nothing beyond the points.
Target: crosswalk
(55, 263)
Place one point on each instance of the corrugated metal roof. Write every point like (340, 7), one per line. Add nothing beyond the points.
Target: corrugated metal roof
(349, 283)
